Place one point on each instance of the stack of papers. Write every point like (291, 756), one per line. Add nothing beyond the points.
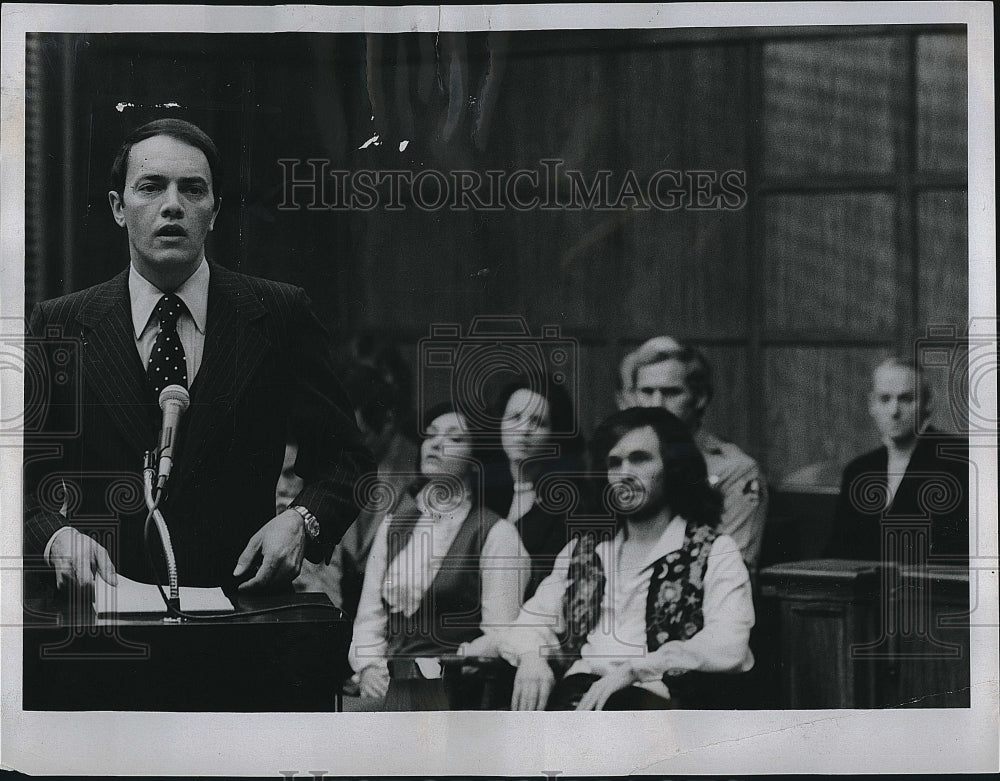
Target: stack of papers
(134, 598)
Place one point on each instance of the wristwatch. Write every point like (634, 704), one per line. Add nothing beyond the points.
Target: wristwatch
(310, 521)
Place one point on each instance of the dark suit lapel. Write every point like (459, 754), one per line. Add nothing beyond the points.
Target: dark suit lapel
(922, 460)
(234, 348)
(880, 464)
(922, 464)
(111, 366)
(926, 455)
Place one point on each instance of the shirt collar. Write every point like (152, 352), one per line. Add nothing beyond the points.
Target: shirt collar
(144, 296)
(907, 451)
(671, 539)
(456, 513)
(924, 429)
(707, 442)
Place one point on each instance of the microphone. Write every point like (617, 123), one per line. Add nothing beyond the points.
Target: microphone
(174, 400)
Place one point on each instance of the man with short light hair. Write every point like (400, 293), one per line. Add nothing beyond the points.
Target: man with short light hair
(918, 475)
(664, 372)
(625, 392)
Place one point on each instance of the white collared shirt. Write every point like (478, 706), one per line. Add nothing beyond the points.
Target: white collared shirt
(620, 637)
(898, 463)
(410, 574)
(522, 501)
(144, 296)
(504, 566)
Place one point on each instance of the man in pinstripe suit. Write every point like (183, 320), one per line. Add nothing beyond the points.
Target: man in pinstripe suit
(258, 368)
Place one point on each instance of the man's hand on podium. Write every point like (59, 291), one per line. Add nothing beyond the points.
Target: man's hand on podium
(78, 558)
(279, 546)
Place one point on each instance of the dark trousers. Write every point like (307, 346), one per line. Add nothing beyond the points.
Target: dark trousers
(415, 694)
(410, 691)
(570, 690)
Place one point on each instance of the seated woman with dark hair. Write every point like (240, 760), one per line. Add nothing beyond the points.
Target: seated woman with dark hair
(444, 573)
(536, 480)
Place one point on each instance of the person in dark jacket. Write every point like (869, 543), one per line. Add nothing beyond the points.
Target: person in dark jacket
(536, 481)
(906, 501)
(246, 351)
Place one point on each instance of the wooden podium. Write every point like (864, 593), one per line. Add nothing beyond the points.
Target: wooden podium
(292, 660)
(856, 634)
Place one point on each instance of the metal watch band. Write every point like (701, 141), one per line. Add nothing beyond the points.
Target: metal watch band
(310, 521)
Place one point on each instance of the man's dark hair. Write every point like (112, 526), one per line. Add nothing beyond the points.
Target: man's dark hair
(374, 397)
(685, 476)
(380, 352)
(177, 129)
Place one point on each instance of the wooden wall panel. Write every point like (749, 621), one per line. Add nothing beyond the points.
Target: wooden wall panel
(645, 91)
(943, 259)
(555, 267)
(598, 369)
(942, 117)
(681, 108)
(716, 108)
(814, 93)
(727, 413)
(417, 268)
(684, 273)
(830, 264)
(817, 406)
(563, 108)
(307, 247)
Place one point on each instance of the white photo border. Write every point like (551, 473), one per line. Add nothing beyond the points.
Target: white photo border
(522, 744)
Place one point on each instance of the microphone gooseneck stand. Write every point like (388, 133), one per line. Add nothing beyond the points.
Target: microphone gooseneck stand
(174, 400)
(152, 504)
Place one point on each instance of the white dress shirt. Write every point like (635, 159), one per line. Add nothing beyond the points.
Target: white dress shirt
(620, 637)
(504, 567)
(522, 501)
(898, 463)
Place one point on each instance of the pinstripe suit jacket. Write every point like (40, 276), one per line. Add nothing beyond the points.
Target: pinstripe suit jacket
(267, 370)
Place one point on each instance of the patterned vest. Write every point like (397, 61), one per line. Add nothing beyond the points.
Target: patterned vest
(673, 602)
(451, 611)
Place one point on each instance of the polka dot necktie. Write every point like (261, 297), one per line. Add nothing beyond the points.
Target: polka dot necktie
(167, 363)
